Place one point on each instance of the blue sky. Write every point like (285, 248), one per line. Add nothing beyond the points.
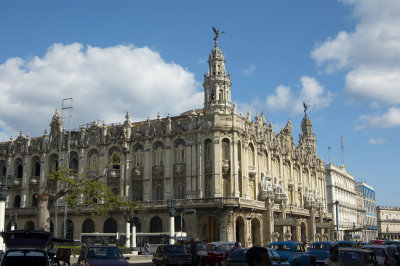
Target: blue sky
(341, 57)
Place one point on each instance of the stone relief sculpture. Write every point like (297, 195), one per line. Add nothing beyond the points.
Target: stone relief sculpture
(267, 191)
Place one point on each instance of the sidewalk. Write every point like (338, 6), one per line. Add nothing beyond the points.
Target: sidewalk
(132, 258)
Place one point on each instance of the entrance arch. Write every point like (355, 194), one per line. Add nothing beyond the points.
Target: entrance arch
(210, 228)
(255, 232)
(88, 226)
(155, 225)
(110, 226)
(240, 230)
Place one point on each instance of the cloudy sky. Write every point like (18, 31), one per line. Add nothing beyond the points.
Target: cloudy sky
(340, 57)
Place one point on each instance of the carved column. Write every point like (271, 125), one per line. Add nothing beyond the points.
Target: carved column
(235, 168)
(311, 226)
(268, 220)
(217, 167)
(168, 169)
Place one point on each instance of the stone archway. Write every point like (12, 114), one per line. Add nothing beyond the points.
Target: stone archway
(210, 228)
(303, 233)
(110, 226)
(256, 232)
(88, 226)
(29, 225)
(155, 225)
(240, 230)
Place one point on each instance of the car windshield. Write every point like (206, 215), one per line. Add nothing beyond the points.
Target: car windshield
(273, 255)
(175, 249)
(353, 257)
(281, 247)
(225, 247)
(379, 252)
(25, 257)
(104, 253)
(238, 255)
(320, 246)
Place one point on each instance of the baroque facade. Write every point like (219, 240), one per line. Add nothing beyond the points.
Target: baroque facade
(342, 195)
(245, 182)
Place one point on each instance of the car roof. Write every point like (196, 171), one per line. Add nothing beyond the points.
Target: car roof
(32, 239)
(289, 243)
(323, 242)
(356, 250)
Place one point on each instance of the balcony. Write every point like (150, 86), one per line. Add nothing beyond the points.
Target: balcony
(114, 173)
(179, 168)
(252, 171)
(158, 169)
(34, 180)
(17, 182)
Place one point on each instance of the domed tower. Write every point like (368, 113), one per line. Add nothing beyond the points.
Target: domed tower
(217, 84)
(307, 137)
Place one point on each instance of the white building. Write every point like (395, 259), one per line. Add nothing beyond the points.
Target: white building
(345, 202)
(370, 230)
(389, 222)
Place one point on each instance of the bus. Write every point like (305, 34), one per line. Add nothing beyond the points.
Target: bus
(119, 239)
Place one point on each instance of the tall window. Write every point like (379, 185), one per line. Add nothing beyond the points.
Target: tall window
(115, 159)
(179, 151)
(53, 163)
(251, 155)
(225, 149)
(19, 168)
(208, 150)
(93, 161)
(138, 155)
(158, 189)
(158, 152)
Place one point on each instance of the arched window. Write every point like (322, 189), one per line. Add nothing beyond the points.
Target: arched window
(17, 201)
(70, 230)
(251, 155)
(208, 150)
(29, 225)
(19, 169)
(93, 162)
(110, 226)
(155, 225)
(88, 226)
(3, 169)
(37, 169)
(115, 158)
(74, 162)
(138, 155)
(158, 152)
(225, 149)
(221, 97)
(179, 151)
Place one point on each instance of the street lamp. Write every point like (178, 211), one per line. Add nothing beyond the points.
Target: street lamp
(6, 184)
(337, 219)
(171, 209)
(129, 217)
(192, 211)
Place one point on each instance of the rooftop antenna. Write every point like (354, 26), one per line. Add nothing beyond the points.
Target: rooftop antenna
(341, 145)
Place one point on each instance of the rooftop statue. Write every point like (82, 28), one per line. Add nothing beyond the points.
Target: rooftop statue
(217, 33)
(305, 107)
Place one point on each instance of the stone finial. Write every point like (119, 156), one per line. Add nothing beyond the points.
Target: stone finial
(127, 117)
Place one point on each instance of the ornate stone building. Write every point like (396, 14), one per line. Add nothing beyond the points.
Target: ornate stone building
(388, 222)
(245, 182)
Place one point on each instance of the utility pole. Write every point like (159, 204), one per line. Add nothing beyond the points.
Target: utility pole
(67, 105)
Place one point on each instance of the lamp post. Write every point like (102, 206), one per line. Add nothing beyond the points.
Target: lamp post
(6, 184)
(185, 211)
(171, 209)
(337, 219)
(130, 221)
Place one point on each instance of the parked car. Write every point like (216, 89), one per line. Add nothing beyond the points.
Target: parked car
(102, 255)
(171, 255)
(377, 242)
(238, 258)
(320, 250)
(217, 252)
(200, 250)
(288, 249)
(384, 254)
(26, 247)
(357, 256)
(348, 244)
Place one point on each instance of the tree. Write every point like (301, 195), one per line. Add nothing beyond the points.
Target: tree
(80, 191)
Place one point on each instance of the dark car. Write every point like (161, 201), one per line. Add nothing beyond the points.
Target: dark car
(384, 254)
(348, 244)
(238, 258)
(171, 255)
(320, 250)
(357, 256)
(288, 249)
(199, 248)
(217, 252)
(26, 247)
(102, 256)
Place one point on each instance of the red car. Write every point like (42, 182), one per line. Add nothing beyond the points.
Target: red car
(217, 252)
(377, 242)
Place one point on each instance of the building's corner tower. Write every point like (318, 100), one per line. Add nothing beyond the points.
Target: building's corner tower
(307, 137)
(217, 84)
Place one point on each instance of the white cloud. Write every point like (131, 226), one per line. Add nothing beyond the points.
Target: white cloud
(389, 119)
(371, 53)
(377, 141)
(249, 71)
(311, 92)
(104, 84)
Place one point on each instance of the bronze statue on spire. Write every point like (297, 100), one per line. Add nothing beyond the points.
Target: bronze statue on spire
(305, 108)
(217, 33)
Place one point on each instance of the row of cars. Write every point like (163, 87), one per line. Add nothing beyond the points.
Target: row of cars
(281, 253)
